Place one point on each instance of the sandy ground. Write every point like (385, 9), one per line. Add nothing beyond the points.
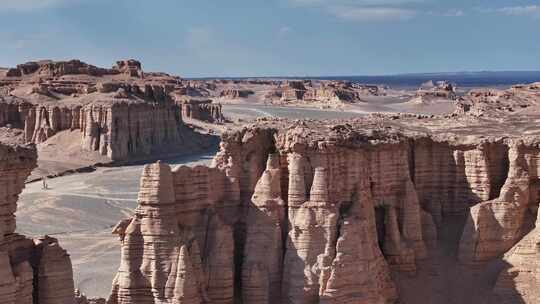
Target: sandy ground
(380, 104)
(61, 153)
(80, 211)
(250, 111)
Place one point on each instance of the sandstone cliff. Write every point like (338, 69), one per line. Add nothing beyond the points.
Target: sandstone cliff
(235, 93)
(31, 271)
(322, 213)
(496, 102)
(201, 109)
(120, 113)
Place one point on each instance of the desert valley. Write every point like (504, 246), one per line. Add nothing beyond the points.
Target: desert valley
(122, 186)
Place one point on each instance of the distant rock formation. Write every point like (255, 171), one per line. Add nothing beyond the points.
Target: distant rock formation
(327, 93)
(121, 113)
(235, 93)
(500, 102)
(438, 90)
(201, 109)
(58, 68)
(31, 271)
(130, 67)
(293, 90)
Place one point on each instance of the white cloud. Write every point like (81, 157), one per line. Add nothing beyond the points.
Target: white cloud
(372, 13)
(364, 10)
(530, 10)
(351, 2)
(448, 13)
(25, 5)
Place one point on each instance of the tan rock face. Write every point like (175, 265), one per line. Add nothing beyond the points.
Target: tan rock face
(293, 90)
(495, 226)
(121, 113)
(289, 222)
(130, 67)
(36, 271)
(314, 213)
(118, 130)
(201, 109)
(235, 93)
(59, 68)
(40, 122)
(518, 281)
(124, 130)
(494, 101)
(263, 251)
(332, 94)
(190, 225)
(321, 93)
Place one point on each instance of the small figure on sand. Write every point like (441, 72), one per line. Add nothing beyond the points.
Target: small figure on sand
(45, 185)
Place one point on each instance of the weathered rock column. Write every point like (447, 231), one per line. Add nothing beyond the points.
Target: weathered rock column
(263, 254)
(151, 239)
(358, 273)
(493, 227)
(311, 241)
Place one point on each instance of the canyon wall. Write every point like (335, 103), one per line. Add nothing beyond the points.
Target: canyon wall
(39, 122)
(31, 271)
(124, 130)
(322, 214)
(119, 128)
(201, 109)
(121, 113)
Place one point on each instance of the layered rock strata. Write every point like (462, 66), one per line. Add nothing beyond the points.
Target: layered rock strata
(293, 90)
(201, 109)
(31, 271)
(58, 68)
(120, 113)
(326, 92)
(318, 213)
(235, 93)
(495, 101)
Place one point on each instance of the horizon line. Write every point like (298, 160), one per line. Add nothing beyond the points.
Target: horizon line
(359, 75)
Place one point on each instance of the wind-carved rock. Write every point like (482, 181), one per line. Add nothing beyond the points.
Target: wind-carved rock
(263, 252)
(285, 242)
(54, 272)
(318, 213)
(411, 214)
(310, 242)
(200, 109)
(235, 93)
(144, 270)
(358, 272)
(119, 114)
(31, 271)
(493, 227)
(169, 223)
(398, 254)
(518, 281)
(182, 282)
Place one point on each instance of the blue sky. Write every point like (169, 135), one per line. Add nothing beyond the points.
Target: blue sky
(277, 37)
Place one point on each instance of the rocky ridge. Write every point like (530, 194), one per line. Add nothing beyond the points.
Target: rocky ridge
(494, 102)
(121, 113)
(319, 212)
